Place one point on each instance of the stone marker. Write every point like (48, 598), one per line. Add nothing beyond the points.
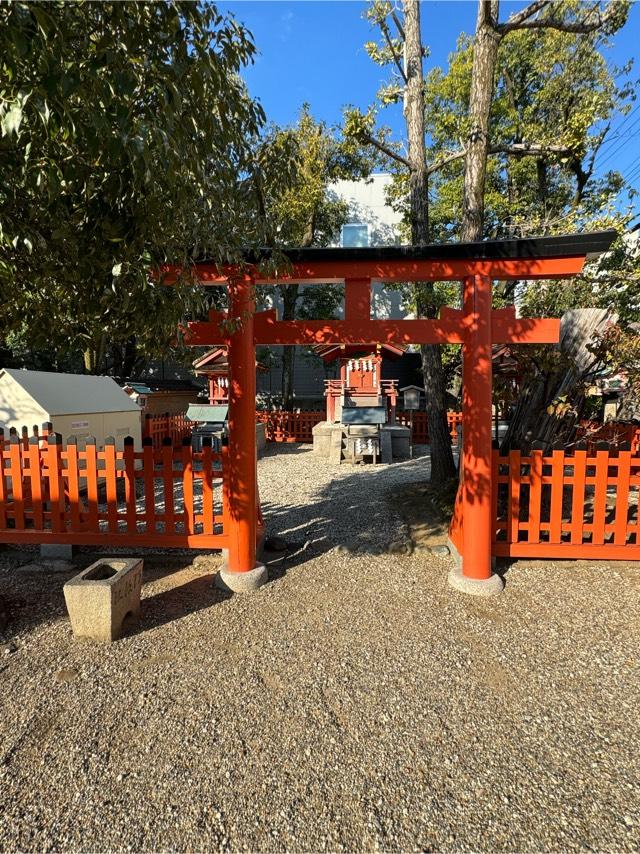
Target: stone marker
(104, 598)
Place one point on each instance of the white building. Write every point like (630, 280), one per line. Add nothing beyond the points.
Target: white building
(372, 222)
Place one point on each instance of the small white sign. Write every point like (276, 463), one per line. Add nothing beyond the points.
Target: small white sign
(78, 425)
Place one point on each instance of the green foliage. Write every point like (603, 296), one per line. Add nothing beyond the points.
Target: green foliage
(126, 133)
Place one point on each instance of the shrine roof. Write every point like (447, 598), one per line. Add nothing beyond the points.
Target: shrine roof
(331, 352)
(589, 244)
(215, 361)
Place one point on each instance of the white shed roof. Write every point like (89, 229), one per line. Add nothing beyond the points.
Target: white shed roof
(72, 394)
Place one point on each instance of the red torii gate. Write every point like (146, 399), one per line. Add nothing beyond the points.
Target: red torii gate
(476, 327)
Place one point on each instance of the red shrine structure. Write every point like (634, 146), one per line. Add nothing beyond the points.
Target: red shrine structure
(214, 365)
(361, 407)
(476, 327)
(360, 377)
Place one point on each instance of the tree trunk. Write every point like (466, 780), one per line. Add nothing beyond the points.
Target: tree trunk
(442, 464)
(485, 52)
(290, 295)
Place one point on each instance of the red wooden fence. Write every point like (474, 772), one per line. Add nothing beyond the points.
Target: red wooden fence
(614, 433)
(575, 506)
(287, 426)
(581, 505)
(282, 426)
(161, 427)
(164, 497)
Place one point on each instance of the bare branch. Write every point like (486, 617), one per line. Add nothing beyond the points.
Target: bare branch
(555, 23)
(520, 17)
(399, 26)
(450, 157)
(371, 140)
(396, 58)
(526, 149)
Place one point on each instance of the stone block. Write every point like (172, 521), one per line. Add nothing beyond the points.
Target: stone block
(103, 601)
(261, 438)
(56, 551)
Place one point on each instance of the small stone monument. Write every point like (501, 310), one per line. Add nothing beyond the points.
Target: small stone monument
(104, 600)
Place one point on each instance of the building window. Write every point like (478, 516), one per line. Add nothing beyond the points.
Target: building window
(355, 234)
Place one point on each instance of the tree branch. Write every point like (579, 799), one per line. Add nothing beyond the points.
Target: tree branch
(371, 140)
(518, 18)
(554, 23)
(396, 58)
(448, 158)
(525, 149)
(396, 21)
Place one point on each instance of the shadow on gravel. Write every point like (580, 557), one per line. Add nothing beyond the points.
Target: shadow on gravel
(352, 511)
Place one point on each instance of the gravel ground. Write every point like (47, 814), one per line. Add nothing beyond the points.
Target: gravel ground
(356, 702)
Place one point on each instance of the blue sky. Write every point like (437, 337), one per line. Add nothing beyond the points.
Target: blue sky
(312, 50)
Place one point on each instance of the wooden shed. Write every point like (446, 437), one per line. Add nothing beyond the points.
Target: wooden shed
(76, 404)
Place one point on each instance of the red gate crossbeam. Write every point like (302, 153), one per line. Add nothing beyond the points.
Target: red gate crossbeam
(324, 272)
(449, 329)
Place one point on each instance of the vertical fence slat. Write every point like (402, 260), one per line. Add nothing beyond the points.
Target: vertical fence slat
(600, 497)
(187, 486)
(494, 493)
(535, 496)
(15, 471)
(148, 466)
(577, 501)
(513, 513)
(620, 524)
(130, 483)
(110, 483)
(54, 484)
(91, 474)
(207, 487)
(167, 478)
(557, 492)
(35, 477)
(3, 483)
(73, 485)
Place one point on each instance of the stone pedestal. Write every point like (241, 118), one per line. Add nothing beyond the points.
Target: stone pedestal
(104, 600)
(329, 440)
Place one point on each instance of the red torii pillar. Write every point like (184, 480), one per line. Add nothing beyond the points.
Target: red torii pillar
(475, 574)
(242, 572)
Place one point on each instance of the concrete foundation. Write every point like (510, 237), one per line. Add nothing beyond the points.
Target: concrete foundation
(242, 582)
(329, 440)
(475, 586)
(104, 600)
(56, 551)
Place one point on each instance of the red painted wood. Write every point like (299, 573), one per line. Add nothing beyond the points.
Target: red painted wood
(600, 497)
(148, 467)
(621, 520)
(208, 520)
(35, 483)
(73, 484)
(557, 489)
(513, 519)
(187, 488)
(129, 455)
(109, 457)
(393, 271)
(91, 474)
(578, 500)
(535, 496)
(167, 479)
(15, 473)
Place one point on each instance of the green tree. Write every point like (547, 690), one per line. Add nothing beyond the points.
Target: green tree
(127, 135)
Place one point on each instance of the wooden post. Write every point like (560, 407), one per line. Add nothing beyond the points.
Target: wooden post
(240, 482)
(476, 450)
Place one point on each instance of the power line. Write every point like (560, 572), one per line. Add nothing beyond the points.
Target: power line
(620, 145)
